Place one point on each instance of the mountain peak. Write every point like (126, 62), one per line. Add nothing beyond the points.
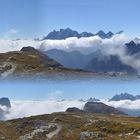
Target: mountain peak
(101, 32)
(132, 47)
(67, 32)
(28, 49)
(104, 35)
(132, 43)
(120, 32)
(99, 107)
(124, 96)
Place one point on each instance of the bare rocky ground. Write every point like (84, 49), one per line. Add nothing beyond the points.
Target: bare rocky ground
(72, 126)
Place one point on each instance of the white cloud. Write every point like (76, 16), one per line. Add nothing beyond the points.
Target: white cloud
(28, 108)
(114, 46)
(127, 104)
(129, 107)
(21, 109)
(12, 33)
(86, 45)
(16, 45)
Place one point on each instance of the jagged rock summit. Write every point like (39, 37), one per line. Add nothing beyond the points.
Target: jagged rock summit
(125, 96)
(66, 33)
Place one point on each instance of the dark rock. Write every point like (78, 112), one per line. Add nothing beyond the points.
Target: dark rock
(62, 34)
(86, 34)
(98, 107)
(66, 33)
(74, 109)
(29, 49)
(103, 35)
(43, 58)
(132, 47)
(5, 102)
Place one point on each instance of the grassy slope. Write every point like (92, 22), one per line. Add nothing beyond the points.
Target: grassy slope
(108, 127)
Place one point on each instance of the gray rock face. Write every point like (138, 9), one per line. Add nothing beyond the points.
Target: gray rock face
(4, 102)
(95, 61)
(66, 33)
(90, 135)
(132, 48)
(109, 64)
(98, 107)
(44, 59)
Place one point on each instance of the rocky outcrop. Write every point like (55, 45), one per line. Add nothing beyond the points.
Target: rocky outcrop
(74, 109)
(90, 135)
(5, 102)
(98, 107)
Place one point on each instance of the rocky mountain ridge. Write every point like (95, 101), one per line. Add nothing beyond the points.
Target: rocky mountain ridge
(67, 33)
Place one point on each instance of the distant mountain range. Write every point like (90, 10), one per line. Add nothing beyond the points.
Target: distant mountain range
(117, 97)
(133, 48)
(74, 59)
(66, 33)
(95, 61)
(125, 96)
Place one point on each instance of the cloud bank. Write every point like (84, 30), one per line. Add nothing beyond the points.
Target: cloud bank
(111, 46)
(85, 45)
(22, 109)
(130, 107)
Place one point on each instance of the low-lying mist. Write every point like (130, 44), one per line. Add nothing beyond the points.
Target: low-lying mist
(108, 46)
(20, 109)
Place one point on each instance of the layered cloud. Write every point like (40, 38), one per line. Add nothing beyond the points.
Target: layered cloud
(129, 107)
(111, 46)
(85, 45)
(29, 108)
(21, 109)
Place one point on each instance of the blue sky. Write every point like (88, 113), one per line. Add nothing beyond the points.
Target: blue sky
(35, 18)
(101, 89)
(24, 16)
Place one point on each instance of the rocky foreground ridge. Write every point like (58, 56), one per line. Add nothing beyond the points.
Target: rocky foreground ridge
(30, 62)
(72, 126)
